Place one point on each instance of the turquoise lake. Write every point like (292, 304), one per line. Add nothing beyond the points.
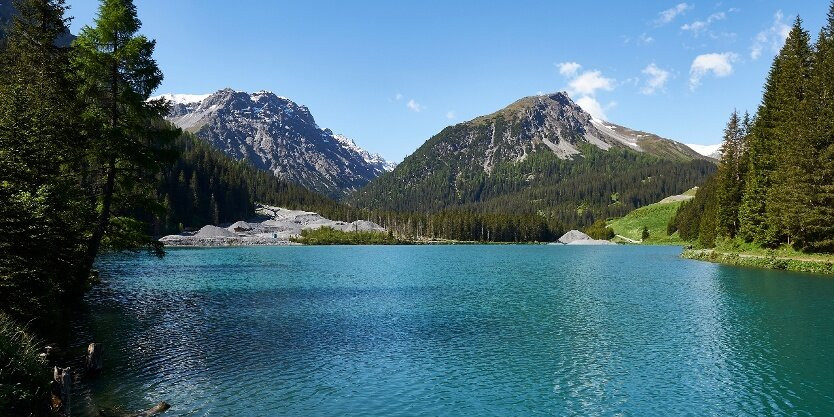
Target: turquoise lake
(458, 330)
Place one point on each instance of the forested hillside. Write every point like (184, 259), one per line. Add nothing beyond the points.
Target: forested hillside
(775, 183)
(539, 156)
(205, 186)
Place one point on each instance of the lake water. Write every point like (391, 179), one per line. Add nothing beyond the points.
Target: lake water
(459, 330)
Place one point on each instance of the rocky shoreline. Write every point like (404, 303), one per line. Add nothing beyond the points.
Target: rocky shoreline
(272, 226)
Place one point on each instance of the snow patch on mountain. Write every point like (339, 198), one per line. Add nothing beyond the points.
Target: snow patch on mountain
(371, 158)
(712, 151)
(182, 98)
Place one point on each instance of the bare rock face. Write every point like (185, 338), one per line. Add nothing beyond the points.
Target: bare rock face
(575, 237)
(276, 134)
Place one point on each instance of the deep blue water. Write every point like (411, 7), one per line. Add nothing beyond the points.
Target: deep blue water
(459, 330)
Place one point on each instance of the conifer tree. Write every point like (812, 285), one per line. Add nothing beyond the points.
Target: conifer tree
(789, 196)
(819, 217)
(767, 213)
(42, 218)
(117, 73)
(730, 183)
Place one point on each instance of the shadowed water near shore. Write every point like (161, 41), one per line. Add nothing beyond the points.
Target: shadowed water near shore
(458, 330)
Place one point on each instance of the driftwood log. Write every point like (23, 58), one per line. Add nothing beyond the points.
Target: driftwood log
(95, 358)
(155, 410)
(61, 390)
(151, 412)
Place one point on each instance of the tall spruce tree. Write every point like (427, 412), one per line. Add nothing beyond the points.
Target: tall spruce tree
(768, 211)
(729, 177)
(40, 154)
(819, 216)
(789, 196)
(117, 73)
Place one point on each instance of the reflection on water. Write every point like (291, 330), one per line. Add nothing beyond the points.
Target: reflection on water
(459, 330)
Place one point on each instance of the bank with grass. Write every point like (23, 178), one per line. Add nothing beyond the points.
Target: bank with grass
(737, 253)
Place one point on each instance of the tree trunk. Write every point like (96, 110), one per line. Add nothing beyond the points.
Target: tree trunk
(103, 218)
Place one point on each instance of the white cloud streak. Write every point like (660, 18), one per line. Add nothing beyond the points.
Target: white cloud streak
(698, 26)
(568, 69)
(589, 82)
(669, 15)
(415, 106)
(719, 65)
(773, 37)
(657, 79)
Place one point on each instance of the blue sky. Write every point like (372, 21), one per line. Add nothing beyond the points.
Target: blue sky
(392, 74)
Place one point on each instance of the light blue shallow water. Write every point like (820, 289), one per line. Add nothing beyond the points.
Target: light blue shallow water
(459, 330)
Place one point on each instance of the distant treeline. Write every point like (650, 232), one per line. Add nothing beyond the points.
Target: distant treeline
(775, 182)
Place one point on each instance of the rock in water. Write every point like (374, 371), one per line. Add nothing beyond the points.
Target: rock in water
(95, 358)
(573, 236)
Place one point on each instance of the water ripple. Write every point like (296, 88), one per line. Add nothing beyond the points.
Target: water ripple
(477, 330)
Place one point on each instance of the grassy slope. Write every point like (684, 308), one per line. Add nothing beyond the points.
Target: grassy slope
(654, 216)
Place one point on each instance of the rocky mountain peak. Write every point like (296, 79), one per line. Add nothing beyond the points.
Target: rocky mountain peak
(276, 134)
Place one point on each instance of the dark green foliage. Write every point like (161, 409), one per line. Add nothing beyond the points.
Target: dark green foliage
(731, 174)
(599, 230)
(819, 215)
(44, 220)
(787, 198)
(24, 378)
(687, 221)
(469, 226)
(645, 234)
(116, 73)
(330, 236)
(783, 166)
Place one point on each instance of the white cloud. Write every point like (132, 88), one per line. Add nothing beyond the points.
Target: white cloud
(593, 107)
(699, 26)
(720, 65)
(450, 115)
(585, 85)
(568, 69)
(589, 82)
(669, 15)
(415, 106)
(774, 37)
(645, 39)
(398, 97)
(657, 78)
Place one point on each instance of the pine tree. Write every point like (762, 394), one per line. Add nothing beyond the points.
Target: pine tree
(42, 216)
(788, 198)
(117, 74)
(767, 213)
(819, 218)
(729, 178)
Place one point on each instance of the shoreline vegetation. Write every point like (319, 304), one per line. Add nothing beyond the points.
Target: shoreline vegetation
(767, 260)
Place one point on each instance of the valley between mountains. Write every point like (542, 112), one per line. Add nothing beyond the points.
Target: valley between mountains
(541, 162)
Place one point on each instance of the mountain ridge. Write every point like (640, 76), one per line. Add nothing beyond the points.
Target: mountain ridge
(540, 154)
(278, 135)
